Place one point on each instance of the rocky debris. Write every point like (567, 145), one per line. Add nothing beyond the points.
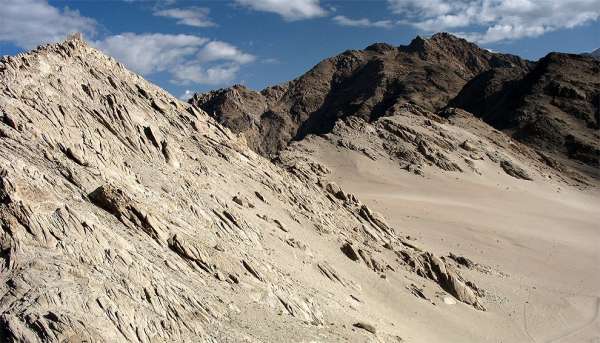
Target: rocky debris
(7, 188)
(252, 270)
(463, 261)
(191, 252)
(376, 220)
(471, 164)
(334, 189)
(349, 251)
(431, 267)
(74, 155)
(436, 157)
(417, 291)
(420, 142)
(328, 270)
(118, 203)
(515, 171)
(260, 197)
(468, 146)
(243, 201)
(337, 192)
(114, 200)
(364, 256)
(302, 308)
(280, 225)
(295, 243)
(366, 326)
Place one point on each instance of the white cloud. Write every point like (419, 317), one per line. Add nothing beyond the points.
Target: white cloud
(151, 52)
(190, 73)
(28, 23)
(193, 16)
(187, 95)
(363, 22)
(289, 9)
(188, 59)
(217, 50)
(270, 61)
(497, 20)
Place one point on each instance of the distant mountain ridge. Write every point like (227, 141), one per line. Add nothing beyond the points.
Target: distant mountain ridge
(363, 83)
(595, 54)
(551, 104)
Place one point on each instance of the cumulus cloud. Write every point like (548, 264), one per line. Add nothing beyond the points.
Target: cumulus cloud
(363, 22)
(28, 23)
(188, 58)
(151, 52)
(191, 73)
(270, 61)
(193, 16)
(289, 9)
(497, 20)
(187, 95)
(217, 50)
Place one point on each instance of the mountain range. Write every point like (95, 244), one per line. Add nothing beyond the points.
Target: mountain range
(432, 192)
(551, 105)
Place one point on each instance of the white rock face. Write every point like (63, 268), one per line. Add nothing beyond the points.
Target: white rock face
(127, 215)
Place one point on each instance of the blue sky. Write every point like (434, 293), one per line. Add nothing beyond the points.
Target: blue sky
(201, 45)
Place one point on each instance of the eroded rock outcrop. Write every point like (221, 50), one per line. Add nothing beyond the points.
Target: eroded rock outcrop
(127, 215)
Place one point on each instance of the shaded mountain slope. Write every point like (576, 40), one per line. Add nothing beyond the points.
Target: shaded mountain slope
(126, 215)
(362, 83)
(551, 105)
(555, 107)
(595, 54)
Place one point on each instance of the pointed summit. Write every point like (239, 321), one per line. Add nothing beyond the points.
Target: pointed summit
(77, 36)
(438, 40)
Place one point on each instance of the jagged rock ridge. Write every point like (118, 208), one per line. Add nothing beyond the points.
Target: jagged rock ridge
(552, 105)
(362, 83)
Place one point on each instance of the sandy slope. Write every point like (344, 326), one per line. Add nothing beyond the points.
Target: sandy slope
(541, 239)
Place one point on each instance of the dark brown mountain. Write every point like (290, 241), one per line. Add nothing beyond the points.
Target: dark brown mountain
(554, 107)
(551, 105)
(363, 83)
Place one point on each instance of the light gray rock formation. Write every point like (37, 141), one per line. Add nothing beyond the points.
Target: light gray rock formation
(127, 215)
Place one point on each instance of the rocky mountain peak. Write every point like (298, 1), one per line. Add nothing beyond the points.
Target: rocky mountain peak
(363, 83)
(433, 73)
(440, 42)
(380, 47)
